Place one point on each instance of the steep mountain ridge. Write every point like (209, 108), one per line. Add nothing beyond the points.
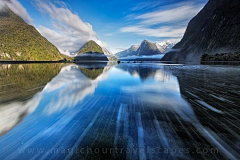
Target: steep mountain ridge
(147, 48)
(90, 47)
(215, 29)
(20, 41)
(92, 51)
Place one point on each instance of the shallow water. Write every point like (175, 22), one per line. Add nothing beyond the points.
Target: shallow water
(119, 111)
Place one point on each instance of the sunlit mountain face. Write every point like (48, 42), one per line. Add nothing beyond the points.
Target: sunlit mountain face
(144, 109)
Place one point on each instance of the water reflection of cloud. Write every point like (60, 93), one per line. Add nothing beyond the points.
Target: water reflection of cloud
(135, 74)
(139, 70)
(13, 113)
(67, 89)
(160, 75)
(68, 73)
(166, 95)
(164, 83)
(75, 86)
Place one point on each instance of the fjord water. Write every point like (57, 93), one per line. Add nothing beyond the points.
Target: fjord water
(119, 111)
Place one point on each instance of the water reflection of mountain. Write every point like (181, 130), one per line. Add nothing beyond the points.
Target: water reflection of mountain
(18, 83)
(145, 71)
(92, 70)
(122, 111)
(205, 114)
(75, 86)
(213, 92)
(92, 73)
(22, 81)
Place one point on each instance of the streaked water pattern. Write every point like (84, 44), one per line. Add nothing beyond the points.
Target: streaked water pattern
(124, 111)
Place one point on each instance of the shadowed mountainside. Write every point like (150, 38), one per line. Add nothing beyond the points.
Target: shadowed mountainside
(147, 48)
(215, 29)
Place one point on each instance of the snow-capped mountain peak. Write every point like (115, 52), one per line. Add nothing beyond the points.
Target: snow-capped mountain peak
(164, 46)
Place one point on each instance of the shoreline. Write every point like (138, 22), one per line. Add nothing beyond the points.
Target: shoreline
(25, 62)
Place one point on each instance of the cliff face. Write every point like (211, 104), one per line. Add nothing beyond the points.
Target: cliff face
(215, 29)
(20, 41)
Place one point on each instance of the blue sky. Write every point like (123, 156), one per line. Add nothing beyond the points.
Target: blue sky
(115, 24)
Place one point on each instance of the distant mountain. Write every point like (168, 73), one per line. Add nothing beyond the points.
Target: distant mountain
(164, 46)
(92, 51)
(146, 49)
(132, 51)
(20, 41)
(215, 29)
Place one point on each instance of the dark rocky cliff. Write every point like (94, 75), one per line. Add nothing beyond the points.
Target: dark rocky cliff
(215, 29)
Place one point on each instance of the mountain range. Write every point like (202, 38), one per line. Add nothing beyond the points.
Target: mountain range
(214, 30)
(213, 34)
(146, 49)
(20, 41)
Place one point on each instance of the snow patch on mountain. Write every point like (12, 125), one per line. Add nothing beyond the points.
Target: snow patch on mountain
(164, 46)
(146, 49)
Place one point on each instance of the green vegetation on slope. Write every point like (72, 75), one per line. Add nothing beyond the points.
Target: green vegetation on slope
(89, 47)
(20, 41)
(222, 57)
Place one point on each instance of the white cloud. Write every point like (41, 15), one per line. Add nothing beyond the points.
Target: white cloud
(70, 32)
(174, 40)
(64, 42)
(17, 8)
(66, 17)
(166, 31)
(75, 86)
(179, 14)
(168, 21)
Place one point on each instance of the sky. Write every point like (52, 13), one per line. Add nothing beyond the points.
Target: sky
(113, 24)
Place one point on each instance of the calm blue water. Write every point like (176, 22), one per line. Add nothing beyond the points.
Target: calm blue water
(119, 111)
